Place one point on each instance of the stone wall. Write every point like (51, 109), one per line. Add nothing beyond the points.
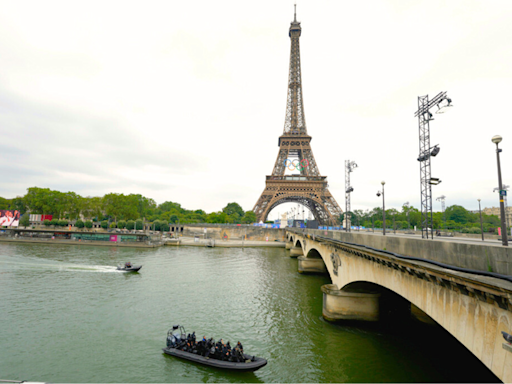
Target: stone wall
(234, 232)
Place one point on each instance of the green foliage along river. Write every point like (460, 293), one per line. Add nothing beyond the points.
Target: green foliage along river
(67, 315)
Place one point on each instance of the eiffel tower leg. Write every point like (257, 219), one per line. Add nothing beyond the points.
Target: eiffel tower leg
(261, 208)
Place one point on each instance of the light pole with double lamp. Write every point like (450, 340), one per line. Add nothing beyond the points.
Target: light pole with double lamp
(496, 140)
(383, 209)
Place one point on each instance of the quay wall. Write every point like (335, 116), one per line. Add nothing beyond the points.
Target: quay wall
(128, 244)
(477, 256)
(234, 232)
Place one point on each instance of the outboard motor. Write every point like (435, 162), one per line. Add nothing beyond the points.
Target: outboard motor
(173, 339)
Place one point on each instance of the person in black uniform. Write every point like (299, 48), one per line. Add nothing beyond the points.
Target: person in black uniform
(225, 352)
(210, 348)
(218, 350)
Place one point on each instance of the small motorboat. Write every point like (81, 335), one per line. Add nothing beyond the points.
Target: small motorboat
(128, 267)
(177, 334)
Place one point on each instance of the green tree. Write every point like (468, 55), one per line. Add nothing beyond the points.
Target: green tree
(249, 217)
(104, 224)
(79, 224)
(121, 224)
(63, 223)
(54, 222)
(88, 224)
(174, 219)
(457, 213)
(47, 223)
(120, 206)
(5, 203)
(130, 225)
(25, 220)
(113, 225)
(145, 205)
(138, 224)
(234, 212)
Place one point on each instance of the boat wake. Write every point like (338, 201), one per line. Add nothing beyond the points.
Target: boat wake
(10, 264)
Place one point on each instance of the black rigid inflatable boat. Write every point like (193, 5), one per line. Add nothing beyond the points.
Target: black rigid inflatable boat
(177, 333)
(248, 365)
(129, 268)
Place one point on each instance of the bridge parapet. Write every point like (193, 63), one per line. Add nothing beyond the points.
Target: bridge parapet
(477, 256)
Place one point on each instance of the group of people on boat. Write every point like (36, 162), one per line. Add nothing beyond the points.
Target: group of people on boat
(208, 348)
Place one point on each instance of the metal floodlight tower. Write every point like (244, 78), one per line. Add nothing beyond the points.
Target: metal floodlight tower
(349, 167)
(442, 200)
(425, 154)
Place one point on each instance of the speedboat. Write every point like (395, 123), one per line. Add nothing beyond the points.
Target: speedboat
(177, 334)
(129, 268)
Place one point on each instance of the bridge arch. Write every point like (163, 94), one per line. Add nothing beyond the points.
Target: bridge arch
(313, 253)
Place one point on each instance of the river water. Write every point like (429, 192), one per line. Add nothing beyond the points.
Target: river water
(67, 315)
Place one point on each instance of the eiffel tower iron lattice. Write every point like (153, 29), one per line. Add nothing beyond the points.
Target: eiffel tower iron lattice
(308, 187)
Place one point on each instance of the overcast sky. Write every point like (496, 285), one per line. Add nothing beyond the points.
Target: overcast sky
(185, 100)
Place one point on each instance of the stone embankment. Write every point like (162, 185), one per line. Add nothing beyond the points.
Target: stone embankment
(214, 243)
(5, 239)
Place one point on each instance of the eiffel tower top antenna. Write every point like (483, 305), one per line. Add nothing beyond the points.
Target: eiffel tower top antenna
(295, 122)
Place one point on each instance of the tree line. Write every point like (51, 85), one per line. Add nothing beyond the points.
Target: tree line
(131, 211)
(116, 210)
(455, 217)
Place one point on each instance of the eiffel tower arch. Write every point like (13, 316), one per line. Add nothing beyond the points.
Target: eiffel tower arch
(307, 187)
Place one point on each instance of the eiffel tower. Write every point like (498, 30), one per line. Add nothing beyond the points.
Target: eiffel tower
(306, 187)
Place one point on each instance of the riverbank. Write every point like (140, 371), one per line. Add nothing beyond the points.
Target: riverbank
(134, 244)
(183, 241)
(196, 242)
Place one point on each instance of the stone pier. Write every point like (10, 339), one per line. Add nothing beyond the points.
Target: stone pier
(311, 265)
(296, 251)
(340, 305)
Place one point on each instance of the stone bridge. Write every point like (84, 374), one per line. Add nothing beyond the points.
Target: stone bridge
(371, 284)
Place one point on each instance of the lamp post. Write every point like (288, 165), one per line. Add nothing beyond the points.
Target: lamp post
(383, 209)
(507, 213)
(442, 200)
(349, 167)
(496, 140)
(481, 223)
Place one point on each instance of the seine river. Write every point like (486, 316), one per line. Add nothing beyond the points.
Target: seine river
(66, 315)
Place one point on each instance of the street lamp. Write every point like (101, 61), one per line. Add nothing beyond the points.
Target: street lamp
(442, 200)
(496, 140)
(349, 167)
(507, 213)
(383, 209)
(481, 223)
